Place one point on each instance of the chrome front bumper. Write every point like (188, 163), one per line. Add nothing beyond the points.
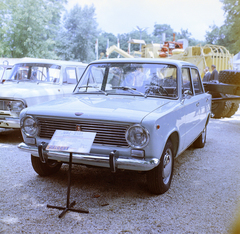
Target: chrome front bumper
(99, 160)
(10, 122)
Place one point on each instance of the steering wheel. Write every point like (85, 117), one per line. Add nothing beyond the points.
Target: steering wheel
(153, 88)
(41, 74)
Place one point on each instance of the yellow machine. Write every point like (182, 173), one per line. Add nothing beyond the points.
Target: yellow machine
(207, 55)
(201, 56)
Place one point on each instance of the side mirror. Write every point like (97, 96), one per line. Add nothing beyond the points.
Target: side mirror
(187, 92)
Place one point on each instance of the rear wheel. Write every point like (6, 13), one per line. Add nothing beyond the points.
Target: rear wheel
(229, 77)
(159, 178)
(45, 169)
(233, 110)
(220, 109)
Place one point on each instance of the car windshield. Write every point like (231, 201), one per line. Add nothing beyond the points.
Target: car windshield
(130, 79)
(5, 72)
(35, 72)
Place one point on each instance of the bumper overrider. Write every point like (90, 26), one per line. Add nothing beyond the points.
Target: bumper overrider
(112, 160)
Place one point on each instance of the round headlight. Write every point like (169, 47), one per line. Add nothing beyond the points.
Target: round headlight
(137, 136)
(29, 126)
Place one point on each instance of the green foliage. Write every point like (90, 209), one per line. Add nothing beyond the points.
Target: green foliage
(36, 28)
(184, 34)
(28, 27)
(212, 37)
(77, 39)
(228, 34)
(159, 29)
(232, 24)
(102, 43)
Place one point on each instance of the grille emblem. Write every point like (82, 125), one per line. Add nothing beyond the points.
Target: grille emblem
(78, 127)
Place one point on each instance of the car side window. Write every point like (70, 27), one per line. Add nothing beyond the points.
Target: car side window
(71, 76)
(186, 82)
(93, 77)
(197, 86)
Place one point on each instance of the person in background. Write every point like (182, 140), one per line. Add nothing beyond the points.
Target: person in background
(214, 75)
(33, 76)
(116, 79)
(134, 79)
(207, 75)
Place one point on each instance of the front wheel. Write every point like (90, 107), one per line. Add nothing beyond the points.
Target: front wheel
(45, 169)
(159, 178)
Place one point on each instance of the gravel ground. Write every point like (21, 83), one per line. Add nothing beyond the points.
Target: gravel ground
(203, 197)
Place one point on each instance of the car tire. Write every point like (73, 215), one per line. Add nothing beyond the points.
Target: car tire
(229, 77)
(159, 178)
(45, 169)
(220, 109)
(201, 140)
(233, 110)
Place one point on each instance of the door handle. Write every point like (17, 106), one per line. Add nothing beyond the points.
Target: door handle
(197, 104)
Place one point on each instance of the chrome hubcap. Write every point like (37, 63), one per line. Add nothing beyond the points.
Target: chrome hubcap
(167, 166)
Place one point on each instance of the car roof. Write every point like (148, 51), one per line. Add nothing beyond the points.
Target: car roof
(9, 62)
(145, 60)
(50, 61)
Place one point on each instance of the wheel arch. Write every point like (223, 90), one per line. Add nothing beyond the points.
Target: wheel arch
(174, 137)
(208, 119)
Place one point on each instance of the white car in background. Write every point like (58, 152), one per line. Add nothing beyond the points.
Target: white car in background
(34, 81)
(6, 65)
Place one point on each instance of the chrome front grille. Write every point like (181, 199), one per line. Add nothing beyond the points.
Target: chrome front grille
(3, 105)
(108, 133)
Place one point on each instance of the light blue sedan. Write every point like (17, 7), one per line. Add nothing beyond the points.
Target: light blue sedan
(145, 112)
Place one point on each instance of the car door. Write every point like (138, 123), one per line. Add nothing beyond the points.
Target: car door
(202, 100)
(190, 103)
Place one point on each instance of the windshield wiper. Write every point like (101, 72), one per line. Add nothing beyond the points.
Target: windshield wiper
(92, 86)
(126, 88)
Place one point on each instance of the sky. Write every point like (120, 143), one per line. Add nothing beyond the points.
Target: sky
(122, 16)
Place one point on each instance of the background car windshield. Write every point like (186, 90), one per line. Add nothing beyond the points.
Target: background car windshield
(36, 73)
(120, 78)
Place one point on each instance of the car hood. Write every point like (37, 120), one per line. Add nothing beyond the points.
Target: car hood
(100, 107)
(23, 90)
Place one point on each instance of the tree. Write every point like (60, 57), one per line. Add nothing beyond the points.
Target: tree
(228, 34)
(28, 27)
(102, 43)
(232, 23)
(212, 37)
(159, 29)
(184, 34)
(77, 39)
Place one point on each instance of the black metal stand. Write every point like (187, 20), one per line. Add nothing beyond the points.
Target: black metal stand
(68, 206)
